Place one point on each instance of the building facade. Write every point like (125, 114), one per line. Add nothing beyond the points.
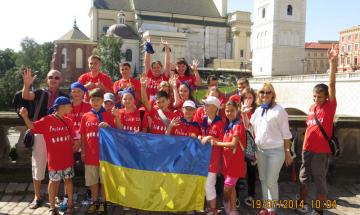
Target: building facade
(349, 49)
(315, 61)
(278, 37)
(198, 29)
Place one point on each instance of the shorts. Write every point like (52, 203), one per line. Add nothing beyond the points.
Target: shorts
(58, 175)
(92, 175)
(314, 166)
(230, 181)
(38, 157)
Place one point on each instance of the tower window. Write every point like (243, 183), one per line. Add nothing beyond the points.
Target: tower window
(289, 10)
(128, 55)
(263, 13)
(241, 53)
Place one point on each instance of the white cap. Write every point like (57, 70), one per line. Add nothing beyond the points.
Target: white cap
(189, 103)
(212, 100)
(109, 97)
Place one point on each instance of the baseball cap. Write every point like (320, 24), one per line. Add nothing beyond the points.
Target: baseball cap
(109, 97)
(235, 98)
(189, 103)
(212, 100)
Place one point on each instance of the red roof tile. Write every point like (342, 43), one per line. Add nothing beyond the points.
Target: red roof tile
(314, 45)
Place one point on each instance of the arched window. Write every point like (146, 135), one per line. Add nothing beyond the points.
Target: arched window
(128, 55)
(263, 13)
(79, 58)
(289, 10)
(63, 58)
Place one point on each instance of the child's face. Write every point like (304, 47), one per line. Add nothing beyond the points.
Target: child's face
(210, 109)
(183, 92)
(125, 71)
(108, 105)
(230, 112)
(181, 68)
(156, 69)
(188, 112)
(77, 94)
(65, 109)
(319, 98)
(96, 102)
(249, 98)
(162, 103)
(94, 65)
(127, 100)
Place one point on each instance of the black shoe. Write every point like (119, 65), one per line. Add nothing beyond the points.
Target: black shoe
(36, 204)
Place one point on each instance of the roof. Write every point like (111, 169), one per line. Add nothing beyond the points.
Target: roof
(74, 34)
(205, 8)
(316, 45)
(123, 31)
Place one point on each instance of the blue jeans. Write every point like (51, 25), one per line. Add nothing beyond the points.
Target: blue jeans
(269, 164)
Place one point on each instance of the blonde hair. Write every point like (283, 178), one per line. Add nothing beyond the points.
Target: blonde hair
(269, 86)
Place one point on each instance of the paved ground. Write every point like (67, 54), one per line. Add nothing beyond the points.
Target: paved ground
(15, 198)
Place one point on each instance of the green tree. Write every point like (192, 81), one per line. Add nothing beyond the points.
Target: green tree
(29, 54)
(7, 60)
(10, 83)
(44, 58)
(108, 49)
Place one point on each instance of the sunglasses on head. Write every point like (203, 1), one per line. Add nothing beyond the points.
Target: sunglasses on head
(265, 92)
(53, 77)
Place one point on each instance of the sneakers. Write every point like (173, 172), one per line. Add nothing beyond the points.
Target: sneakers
(36, 204)
(63, 206)
(249, 201)
(53, 211)
(303, 210)
(102, 208)
(93, 208)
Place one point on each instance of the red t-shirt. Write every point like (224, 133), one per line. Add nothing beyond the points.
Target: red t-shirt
(314, 140)
(233, 158)
(89, 128)
(101, 77)
(123, 84)
(153, 83)
(157, 126)
(199, 115)
(186, 129)
(59, 140)
(77, 112)
(216, 130)
(131, 120)
(190, 80)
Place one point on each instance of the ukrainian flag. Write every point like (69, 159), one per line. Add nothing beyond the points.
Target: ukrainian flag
(153, 172)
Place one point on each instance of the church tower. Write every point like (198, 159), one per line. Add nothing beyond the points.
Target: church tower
(278, 37)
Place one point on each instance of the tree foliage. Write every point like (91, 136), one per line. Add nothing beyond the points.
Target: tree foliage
(7, 60)
(108, 49)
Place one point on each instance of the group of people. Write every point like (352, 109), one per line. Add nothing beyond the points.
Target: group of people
(162, 102)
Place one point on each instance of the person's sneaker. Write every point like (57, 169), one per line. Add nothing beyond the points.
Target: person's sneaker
(249, 201)
(303, 210)
(102, 208)
(227, 207)
(36, 204)
(92, 209)
(63, 205)
(53, 211)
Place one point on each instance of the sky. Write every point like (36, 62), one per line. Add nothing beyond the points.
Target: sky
(48, 20)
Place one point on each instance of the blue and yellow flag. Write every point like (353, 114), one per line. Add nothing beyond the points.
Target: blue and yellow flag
(153, 172)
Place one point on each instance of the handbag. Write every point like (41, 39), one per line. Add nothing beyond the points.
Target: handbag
(250, 146)
(28, 140)
(333, 141)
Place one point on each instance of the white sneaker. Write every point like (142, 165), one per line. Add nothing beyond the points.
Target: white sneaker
(304, 210)
(249, 201)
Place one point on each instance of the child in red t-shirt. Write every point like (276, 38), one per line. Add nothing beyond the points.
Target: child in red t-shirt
(131, 118)
(89, 128)
(233, 166)
(185, 126)
(316, 150)
(161, 117)
(188, 74)
(212, 127)
(95, 78)
(59, 135)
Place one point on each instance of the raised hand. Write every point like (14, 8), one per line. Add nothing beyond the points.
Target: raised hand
(147, 39)
(28, 78)
(175, 122)
(195, 64)
(143, 80)
(173, 81)
(115, 112)
(104, 125)
(23, 112)
(246, 106)
(333, 53)
(165, 43)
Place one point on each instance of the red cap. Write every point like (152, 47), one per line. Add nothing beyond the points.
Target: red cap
(235, 98)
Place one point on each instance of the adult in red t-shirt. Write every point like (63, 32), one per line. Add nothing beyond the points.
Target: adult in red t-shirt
(212, 128)
(131, 118)
(316, 150)
(154, 72)
(127, 81)
(95, 78)
(59, 135)
(185, 126)
(188, 74)
(234, 143)
(161, 117)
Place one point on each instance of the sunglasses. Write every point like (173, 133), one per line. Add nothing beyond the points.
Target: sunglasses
(265, 92)
(54, 77)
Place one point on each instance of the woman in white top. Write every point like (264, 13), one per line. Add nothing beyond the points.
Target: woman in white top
(272, 138)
